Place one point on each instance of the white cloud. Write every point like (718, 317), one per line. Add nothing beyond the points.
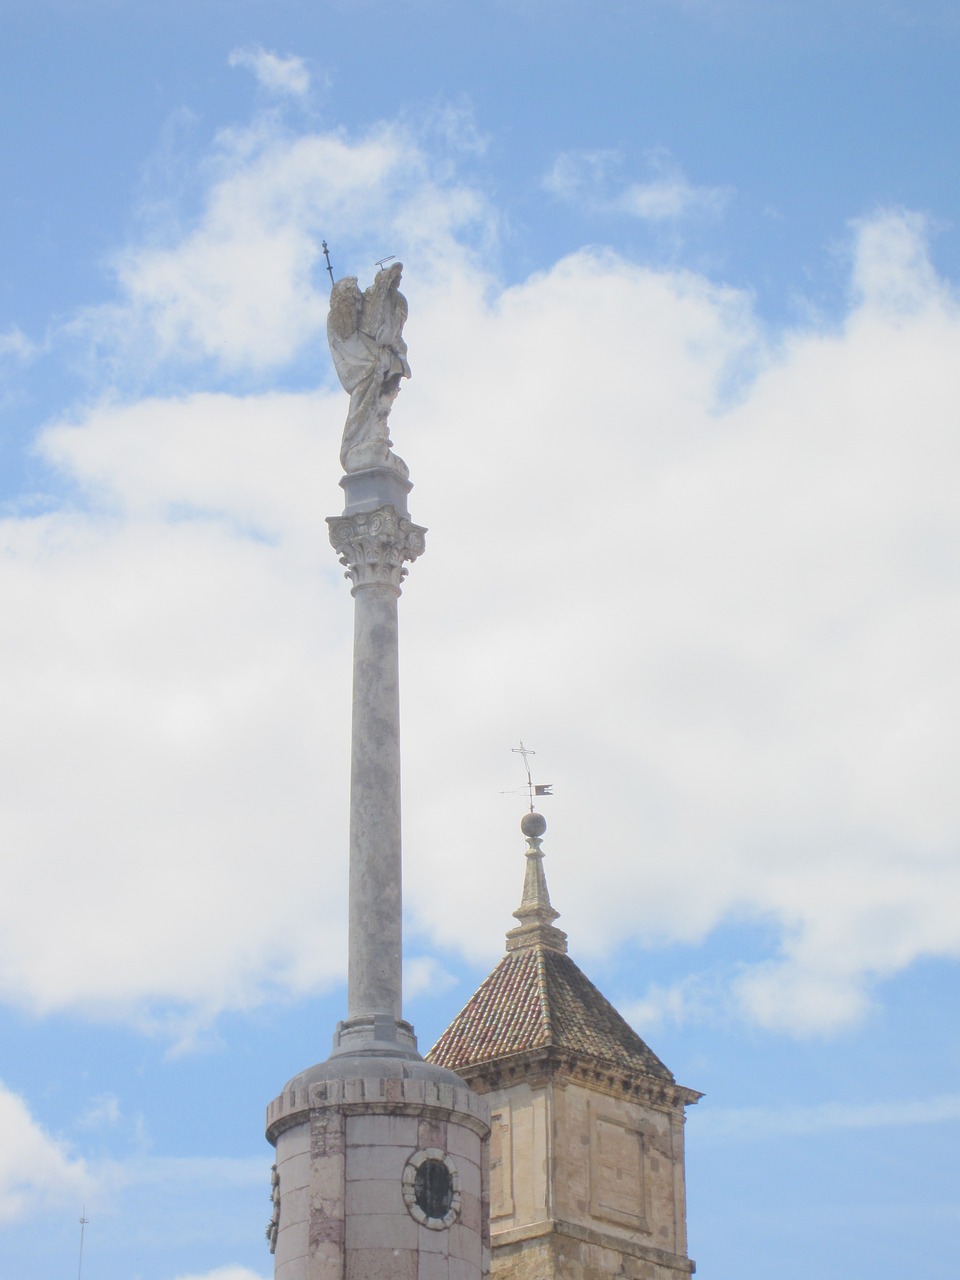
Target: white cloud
(592, 181)
(36, 1169)
(732, 627)
(102, 1111)
(425, 973)
(728, 628)
(892, 273)
(697, 998)
(16, 345)
(244, 286)
(287, 75)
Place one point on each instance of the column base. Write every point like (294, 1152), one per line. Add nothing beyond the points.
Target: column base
(375, 487)
(375, 1033)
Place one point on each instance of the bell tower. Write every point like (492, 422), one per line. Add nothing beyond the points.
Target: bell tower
(381, 1164)
(586, 1149)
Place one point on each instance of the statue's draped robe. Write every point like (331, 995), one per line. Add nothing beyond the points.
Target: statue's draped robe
(365, 332)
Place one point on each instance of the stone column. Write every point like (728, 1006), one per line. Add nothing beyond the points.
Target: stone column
(381, 1158)
(375, 546)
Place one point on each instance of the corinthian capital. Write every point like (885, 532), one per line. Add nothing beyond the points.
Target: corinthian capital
(374, 545)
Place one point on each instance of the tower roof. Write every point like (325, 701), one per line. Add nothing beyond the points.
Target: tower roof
(537, 998)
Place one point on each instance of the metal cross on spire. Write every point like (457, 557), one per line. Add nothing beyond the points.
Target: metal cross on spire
(326, 254)
(533, 789)
(83, 1222)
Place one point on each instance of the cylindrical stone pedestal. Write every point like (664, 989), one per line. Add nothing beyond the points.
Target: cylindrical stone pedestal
(380, 1173)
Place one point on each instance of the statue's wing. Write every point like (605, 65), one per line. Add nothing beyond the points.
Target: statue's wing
(346, 301)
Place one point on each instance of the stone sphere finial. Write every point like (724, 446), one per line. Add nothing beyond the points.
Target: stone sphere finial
(533, 825)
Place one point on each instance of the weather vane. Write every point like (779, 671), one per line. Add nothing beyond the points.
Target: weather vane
(326, 254)
(533, 789)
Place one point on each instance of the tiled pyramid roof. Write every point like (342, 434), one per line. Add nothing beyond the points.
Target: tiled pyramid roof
(536, 998)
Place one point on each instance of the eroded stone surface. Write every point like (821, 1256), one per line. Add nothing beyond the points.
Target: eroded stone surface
(365, 333)
(347, 1147)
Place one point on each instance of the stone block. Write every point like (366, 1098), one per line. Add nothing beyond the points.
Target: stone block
(470, 1212)
(432, 1133)
(366, 1163)
(294, 1204)
(295, 1269)
(294, 1172)
(381, 1195)
(433, 1266)
(325, 1229)
(293, 1244)
(432, 1241)
(381, 1264)
(381, 1231)
(327, 1182)
(326, 1133)
(293, 1142)
(463, 1142)
(469, 1174)
(460, 1269)
(464, 1244)
(374, 1130)
(353, 1091)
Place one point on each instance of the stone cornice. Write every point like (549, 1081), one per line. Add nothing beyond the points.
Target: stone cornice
(377, 1095)
(501, 1240)
(374, 546)
(540, 1065)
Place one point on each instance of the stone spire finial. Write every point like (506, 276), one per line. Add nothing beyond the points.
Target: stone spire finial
(535, 912)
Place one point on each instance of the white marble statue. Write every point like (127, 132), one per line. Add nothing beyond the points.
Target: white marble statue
(365, 332)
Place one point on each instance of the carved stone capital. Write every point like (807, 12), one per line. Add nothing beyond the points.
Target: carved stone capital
(374, 545)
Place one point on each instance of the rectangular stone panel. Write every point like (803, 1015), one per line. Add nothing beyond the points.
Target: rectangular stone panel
(501, 1164)
(617, 1192)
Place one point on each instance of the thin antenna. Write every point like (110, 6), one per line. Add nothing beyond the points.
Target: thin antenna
(381, 262)
(541, 788)
(83, 1222)
(326, 254)
(525, 752)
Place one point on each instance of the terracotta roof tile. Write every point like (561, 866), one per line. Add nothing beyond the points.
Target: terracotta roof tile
(537, 997)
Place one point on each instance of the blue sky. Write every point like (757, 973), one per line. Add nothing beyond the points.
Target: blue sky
(683, 427)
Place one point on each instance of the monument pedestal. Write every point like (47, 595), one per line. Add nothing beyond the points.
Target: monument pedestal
(380, 1173)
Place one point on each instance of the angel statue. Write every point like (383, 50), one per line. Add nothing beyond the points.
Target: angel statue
(365, 332)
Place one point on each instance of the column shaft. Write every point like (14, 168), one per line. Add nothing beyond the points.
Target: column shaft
(374, 975)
